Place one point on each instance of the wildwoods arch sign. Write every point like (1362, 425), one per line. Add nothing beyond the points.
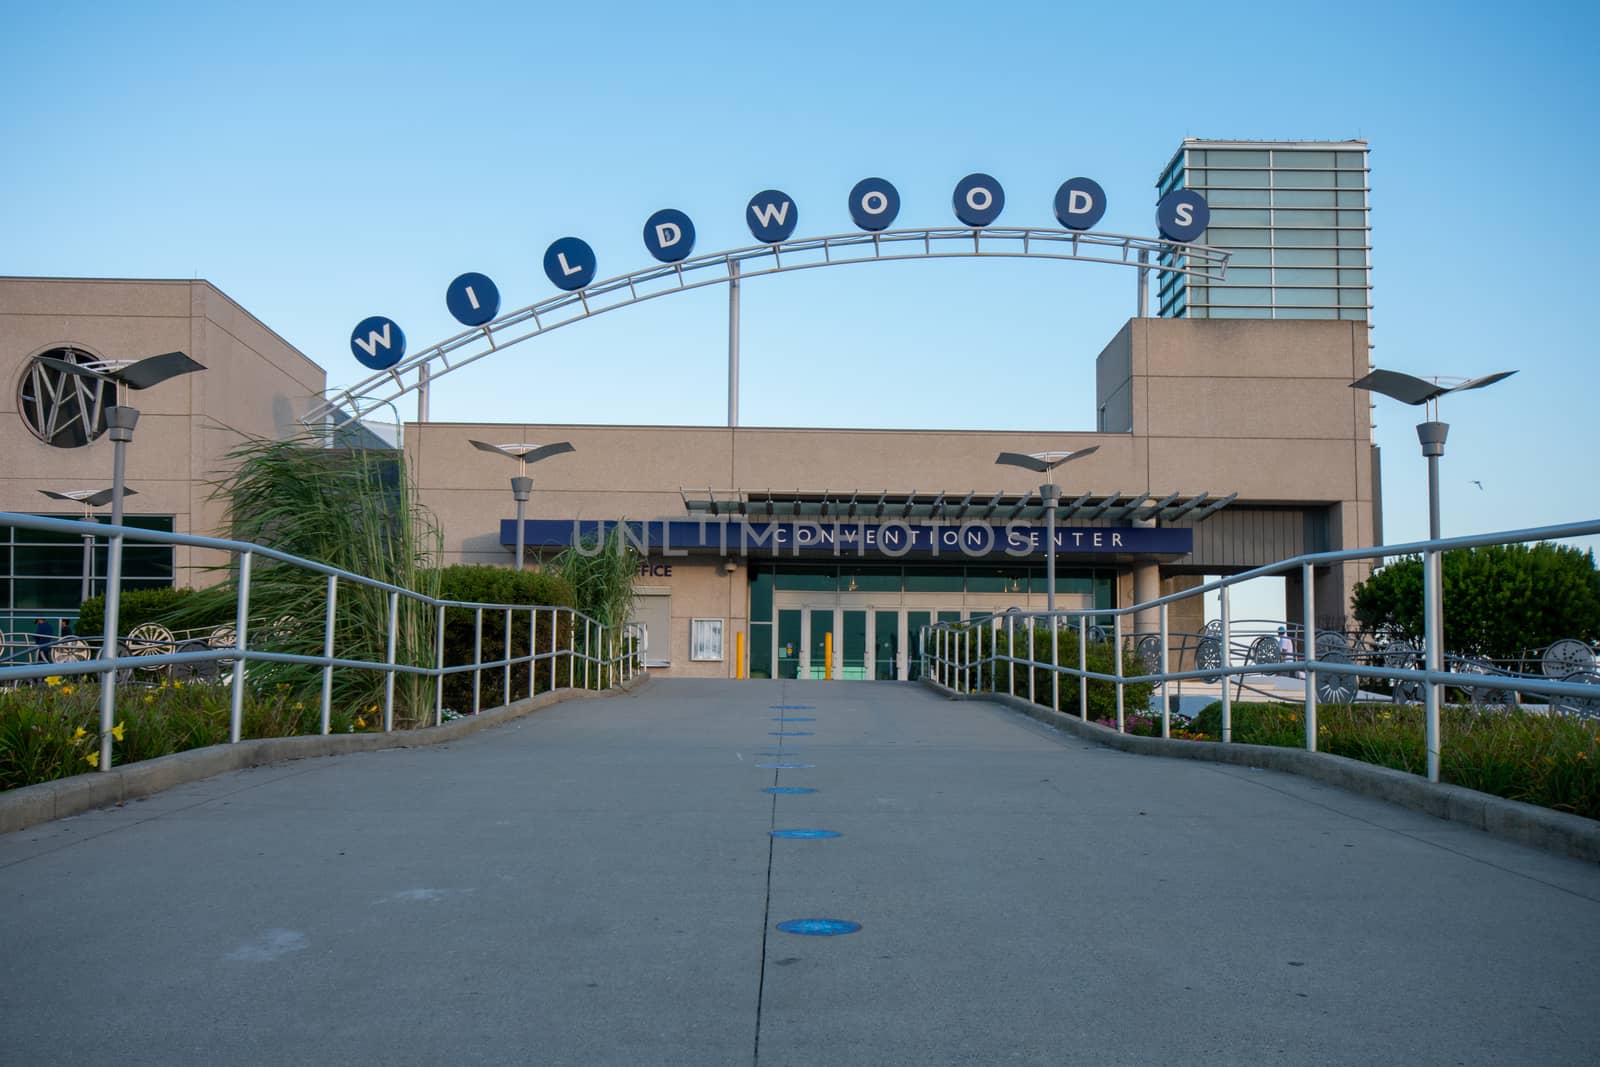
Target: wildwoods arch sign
(572, 266)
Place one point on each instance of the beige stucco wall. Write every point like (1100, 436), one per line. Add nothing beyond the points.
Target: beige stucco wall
(255, 383)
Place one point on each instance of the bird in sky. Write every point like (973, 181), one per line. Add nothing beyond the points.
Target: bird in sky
(1477, 483)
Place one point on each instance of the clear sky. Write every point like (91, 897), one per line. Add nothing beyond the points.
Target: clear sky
(323, 162)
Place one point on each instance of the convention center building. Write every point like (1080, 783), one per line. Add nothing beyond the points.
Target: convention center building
(1226, 436)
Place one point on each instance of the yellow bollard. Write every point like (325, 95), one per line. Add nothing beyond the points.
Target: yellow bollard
(827, 655)
(738, 654)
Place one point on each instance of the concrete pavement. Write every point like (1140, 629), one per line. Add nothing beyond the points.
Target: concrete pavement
(596, 884)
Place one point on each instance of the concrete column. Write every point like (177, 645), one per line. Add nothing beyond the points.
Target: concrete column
(1146, 586)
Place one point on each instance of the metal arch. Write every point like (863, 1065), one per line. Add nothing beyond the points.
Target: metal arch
(734, 265)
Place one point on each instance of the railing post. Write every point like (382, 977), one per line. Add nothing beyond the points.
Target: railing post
(1432, 641)
(555, 625)
(1227, 645)
(588, 650)
(1116, 654)
(438, 687)
(1055, 665)
(533, 662)
(505, 674)
(1011, 654)
(394, 643)
(1166, 665)
(1033, 659)
(241, 616)
(477, 661)
(1083, 667)
(1308, 645)
(327, 653)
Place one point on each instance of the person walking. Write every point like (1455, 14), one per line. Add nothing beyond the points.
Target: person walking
(44, 636)
(1286, 648)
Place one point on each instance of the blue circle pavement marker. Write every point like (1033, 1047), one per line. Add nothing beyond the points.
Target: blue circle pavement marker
(786, 766)
(804, 835)
(788, 790)
(819, 927)
(790, 733)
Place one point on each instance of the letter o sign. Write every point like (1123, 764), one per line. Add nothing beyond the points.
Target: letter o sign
(978, 200)
(874, 203)
(669, 235)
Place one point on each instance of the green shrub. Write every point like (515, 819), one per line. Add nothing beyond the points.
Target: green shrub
(485, 584)
(1099, 657)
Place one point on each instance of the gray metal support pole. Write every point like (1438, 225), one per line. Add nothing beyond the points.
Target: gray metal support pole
(327, 652)
(505, 672)
(121, 420)
(520, 489)
(1143, 309)
(1011, 653)
(84, 590)
(733, 342)
(1432, 640)
(1116, 654)
(533, 632)
(1051, 495)
(1432, 435)
(1308, 650)
(553, 628)
(241, 641)
(394, 642)
(1166, 703)
(1083, 665)
(1227, 644)
(422, 392)
(477, 661)
(438, 683)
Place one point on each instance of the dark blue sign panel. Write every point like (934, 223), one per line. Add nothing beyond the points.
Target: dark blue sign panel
(1080, 203)
(569, 263)
(669, 235)
(978, 200)
(890, 540)
(1182, 215)
(772, 216)
(378, 342)
(873, 204)
(473, 299)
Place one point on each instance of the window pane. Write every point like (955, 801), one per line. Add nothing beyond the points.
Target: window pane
(1241, 313)
(1242, 217)
(1351, 179)
(1306, 277)
(1353, 314)
(1305, 237)
(1236, 157)
(705, 639)
(934, 579)
(1248, 179)
(1349, 238)
(1308, 313)
(1237, 198)
(814, 578)
(1230, 295)
(1249, 257)
(1305, 218)
(1304, 257)
(997, 579)
(1318, 297)
(1303, 197)
(1352, 277)
(1352, 218)
(1351, 159)
(869, 579)
(1302, 179)
(1300, 158)
(1249, 276)
(1349, 258)
(760, 650)
(761, 596)
(1228, 238)
(1351, 198)
(1353, 297)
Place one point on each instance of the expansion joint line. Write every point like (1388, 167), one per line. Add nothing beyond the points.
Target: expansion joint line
(766, 904)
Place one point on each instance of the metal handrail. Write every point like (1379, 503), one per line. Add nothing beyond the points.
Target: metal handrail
(612, 654)
(951, 660)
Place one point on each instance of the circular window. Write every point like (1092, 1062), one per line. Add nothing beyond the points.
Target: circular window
(62, 409)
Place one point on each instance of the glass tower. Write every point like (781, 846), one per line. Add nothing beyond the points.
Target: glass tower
(1293, 215)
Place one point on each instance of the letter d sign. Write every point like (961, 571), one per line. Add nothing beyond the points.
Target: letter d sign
(669, 235)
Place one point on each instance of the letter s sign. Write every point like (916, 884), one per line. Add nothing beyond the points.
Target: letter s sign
(1182, 215)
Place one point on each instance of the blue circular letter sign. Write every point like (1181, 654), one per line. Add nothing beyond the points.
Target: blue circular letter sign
(978, 200)
(473, 299)
(669, 235)
(1080, 203)
(569, 263)
(378, 342)
(772, 216)
(873, 204)
(1182, 215)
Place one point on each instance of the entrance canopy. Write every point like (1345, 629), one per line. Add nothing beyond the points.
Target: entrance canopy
(946, 506)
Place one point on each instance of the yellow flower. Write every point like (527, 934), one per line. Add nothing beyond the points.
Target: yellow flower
(165, 684)
(53, 680)
(373, 710)
(116, 731)
(361, 722)
(79, 734)
(177, 685)
(299, 706)
(92, 759)
(149, 700)
(67, 690)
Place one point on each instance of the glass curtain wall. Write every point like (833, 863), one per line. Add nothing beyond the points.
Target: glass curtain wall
(1294, 217)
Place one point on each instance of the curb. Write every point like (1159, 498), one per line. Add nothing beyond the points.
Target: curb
(35, 804)
(1509, 820)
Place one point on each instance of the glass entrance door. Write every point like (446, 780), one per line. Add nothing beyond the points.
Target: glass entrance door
(854, 667)
(886, 645)
(821, 627)
(915, 621)
(789, 643)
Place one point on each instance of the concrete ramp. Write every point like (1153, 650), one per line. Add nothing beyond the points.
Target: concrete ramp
(599, 884)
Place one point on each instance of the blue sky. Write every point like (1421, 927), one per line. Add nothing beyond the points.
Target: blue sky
(324, 165)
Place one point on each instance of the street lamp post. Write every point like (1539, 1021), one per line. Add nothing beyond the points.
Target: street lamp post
(1417, 391)
(1409, 389)
(90, 499)
(1050, 493)
(120, 419)
(522, 485)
